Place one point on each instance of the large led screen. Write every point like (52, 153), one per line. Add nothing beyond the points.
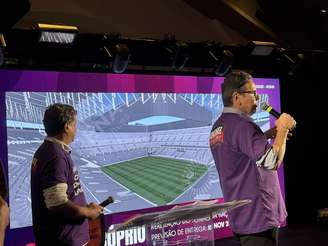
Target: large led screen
(142, 139)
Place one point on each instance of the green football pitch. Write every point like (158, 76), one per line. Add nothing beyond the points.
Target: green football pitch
(157, 179)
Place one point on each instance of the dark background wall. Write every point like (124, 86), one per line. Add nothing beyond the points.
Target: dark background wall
(304, 96)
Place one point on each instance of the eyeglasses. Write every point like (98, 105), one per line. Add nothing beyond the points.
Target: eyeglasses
(249, 92)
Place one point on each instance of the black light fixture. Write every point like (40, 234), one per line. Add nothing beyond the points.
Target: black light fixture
(58, 34)
(222, 58)
(291, 62)
(224, 63)
(121, 58)
(261, 48)
(2, 52)
(118, 54)
(181, 55)
(177, 52)
(2, 57)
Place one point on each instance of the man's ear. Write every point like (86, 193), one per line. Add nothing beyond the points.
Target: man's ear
(66, 127)
(234, 97)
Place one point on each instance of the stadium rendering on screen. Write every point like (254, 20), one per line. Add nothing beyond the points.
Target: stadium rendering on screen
(145, 145)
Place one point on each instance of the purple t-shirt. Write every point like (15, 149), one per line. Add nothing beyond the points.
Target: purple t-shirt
(236, 144)
(53, 165)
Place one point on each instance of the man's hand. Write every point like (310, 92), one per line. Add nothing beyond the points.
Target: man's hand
(285, 122)
(4, 213)
(94, 210)
(4, 219)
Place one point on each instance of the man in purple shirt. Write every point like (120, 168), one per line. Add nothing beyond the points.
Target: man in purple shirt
(59, 208)
(247, 163)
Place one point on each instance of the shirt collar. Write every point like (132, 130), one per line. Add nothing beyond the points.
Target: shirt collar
(231, 110)
(60, 143)
(236, 111)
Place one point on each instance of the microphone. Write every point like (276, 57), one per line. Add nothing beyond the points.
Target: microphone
(266, 107)
(107, 201)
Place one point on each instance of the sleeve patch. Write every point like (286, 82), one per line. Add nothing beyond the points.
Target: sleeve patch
(217, 136)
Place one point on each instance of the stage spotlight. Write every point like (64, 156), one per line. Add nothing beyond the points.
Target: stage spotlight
(181, 56)
(224, 63)
(59, 34)
(259, 48)
(120, 57)
(2, 57)
(292, 64)
(2, 53)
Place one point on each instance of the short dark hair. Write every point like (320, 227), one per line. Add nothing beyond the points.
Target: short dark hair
(233, 82)
(56, 116)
